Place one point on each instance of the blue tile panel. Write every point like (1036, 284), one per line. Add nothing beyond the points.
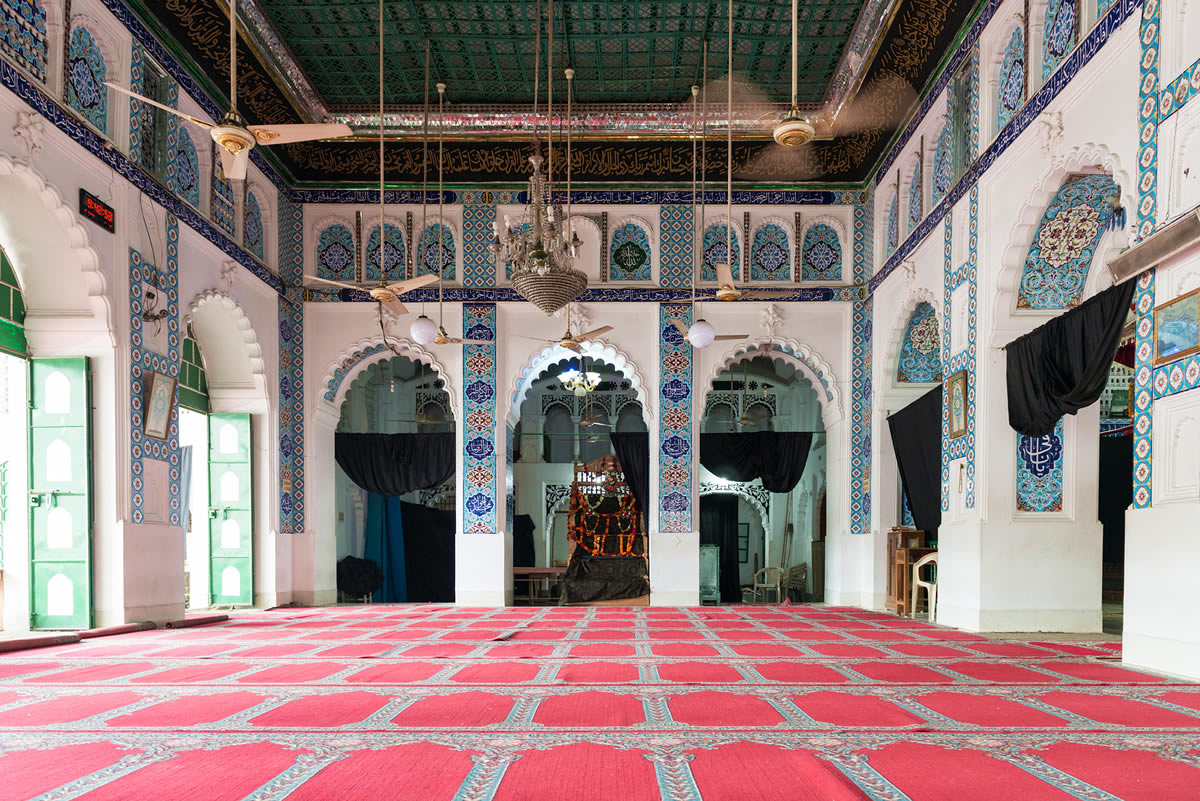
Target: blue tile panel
(1143, 388)
(86, 74)
(142, 361)
(183, 168)
(252, 227)
(629, 254)
(335, 253)
(479, 419)
(392, 265)
(1011, 91)
(675, 441)
(430, 257)
(23, 35)
(675, 245)
(915, 208)
(291, 369)
(479, 214)
(1066, 237)
(822, 249)
(860, 373)
(771, 254)
(717, 238)
(1058, 33)
(921, 351)
(1040, 472)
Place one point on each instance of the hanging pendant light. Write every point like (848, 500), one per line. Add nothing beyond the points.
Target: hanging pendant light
(424, 330)
(542, 246)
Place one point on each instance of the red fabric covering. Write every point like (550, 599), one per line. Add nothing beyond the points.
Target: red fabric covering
(989, 710)
(400, 773)
(597, 673)
(497, 673)
(1000, 673)
(1129, 775)
(844, 709)
(723, 709)
(845, 649)
(1009, 649)
(757, 772)
(439, 650)
(934, 773)
(682, 649)
(389, 673)
(294, 674)
(191, 710)
(612, 773)
(465, 710)
(519, 651)
(28, 774)
(698, 673)
(193, 673)
(1190, 700)
(355, 651)
(334, 709)
(800, 673)
(590, 710)
(87, 675)
(898, 673)
(1110, 709)
(1094, 671)
(925, 650)
(762, 649)
(66, 710)
(602, 651)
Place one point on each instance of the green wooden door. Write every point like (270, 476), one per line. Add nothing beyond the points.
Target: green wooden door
(231, 511)
(60, 494)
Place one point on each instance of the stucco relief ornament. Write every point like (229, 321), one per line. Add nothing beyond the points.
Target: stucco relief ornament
(228, 272)
(580, 317)
(30, 131)
(1051, 131)
(770, 318)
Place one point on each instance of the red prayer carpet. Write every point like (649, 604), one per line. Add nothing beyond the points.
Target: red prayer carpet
(425, 703)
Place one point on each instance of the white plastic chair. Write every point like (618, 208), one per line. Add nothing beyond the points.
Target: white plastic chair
(772, 577)
(930, 586)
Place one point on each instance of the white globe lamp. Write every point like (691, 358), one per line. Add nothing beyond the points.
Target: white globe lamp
(424, 330)
(701, 334)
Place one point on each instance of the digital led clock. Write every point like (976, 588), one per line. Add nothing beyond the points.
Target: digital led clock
(97, 211)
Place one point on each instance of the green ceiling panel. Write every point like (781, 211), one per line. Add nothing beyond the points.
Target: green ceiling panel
(623, 51)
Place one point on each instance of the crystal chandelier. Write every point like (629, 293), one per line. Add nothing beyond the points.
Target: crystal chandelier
(581, 383)
(542, 246)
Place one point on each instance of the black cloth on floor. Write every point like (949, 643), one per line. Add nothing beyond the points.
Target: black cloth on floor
(719, 526)
(776, 457)
(917, 439)
(523, 550)
(393, 464)
(603, 578)
(428, 553)
(1062, 366)
(358, 577)
(633, 452)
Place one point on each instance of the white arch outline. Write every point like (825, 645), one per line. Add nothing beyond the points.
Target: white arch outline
(1008, 281)
(804, 358)
(352, 362)
(651, 237)
(916, 296)
(738, 489)
(251, 349)
(594, 349)
(839, 228)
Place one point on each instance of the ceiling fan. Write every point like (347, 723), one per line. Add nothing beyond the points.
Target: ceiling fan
(573, 342)
(235, 138)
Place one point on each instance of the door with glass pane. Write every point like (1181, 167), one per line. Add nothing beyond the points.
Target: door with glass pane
(230, 513)
(60, 502)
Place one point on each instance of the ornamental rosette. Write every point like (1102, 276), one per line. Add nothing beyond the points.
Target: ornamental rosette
(1064, 238)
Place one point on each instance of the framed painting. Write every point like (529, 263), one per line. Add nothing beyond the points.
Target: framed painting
(956, 400)
(1177, 328)
(157, 404)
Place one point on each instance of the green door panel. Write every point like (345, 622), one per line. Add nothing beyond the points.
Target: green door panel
(231, 510)
(60, 494)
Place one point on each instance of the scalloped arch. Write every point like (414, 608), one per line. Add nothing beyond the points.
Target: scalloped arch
(806, 360)
(916, 296)
(233, 360)
(1009, 278)
(45, 278)
(740, 490)
(596, 349)
(354, 360)
(640, 222)
(833, 222)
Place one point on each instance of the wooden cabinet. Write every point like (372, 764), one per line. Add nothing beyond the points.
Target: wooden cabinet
(904, 547)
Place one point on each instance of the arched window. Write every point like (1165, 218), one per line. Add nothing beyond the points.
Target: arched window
(596, 444)
(559, 429)
(335, 253)
(629, 255)
(1011, 92)
(435, 418)
(1060, 254)
(770, 253)
(822, 254)
(714, 245)
(630, 420)
(252, 223)
(1058, 33)
(393, 267)
(915, 210)
(432, 256)
(86, 74)
(183, 168)
(943, 165)
(921, 352)
(718, 419)
(893, 225)
(222, 196)
(758, 417)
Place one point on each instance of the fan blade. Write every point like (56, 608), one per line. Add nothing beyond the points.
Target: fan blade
(457, 341)
(749, 99)
(286, 134)
(724, 275)
(767, 293)
(729, 337)
(681, 328)
(234, 166)
(879, 106)
(395, 307)
(595, 332)
(408, 285)
(156, 104)
(572, 346)
(334, 283)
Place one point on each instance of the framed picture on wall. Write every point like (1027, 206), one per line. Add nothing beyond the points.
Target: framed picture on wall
(1177, 328)
(956, 399)
(158, 399)
(743, 543)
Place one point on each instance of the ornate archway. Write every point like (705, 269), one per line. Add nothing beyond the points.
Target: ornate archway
(806, 361)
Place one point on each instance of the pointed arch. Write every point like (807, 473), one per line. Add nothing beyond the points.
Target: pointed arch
(804, 358)
(823, 250)
(712, 247)
(352, 362)
(392, 263)
(593, 349)
(438, 230)
(917, 297)
(771, 250)
(234, 369)
(631, 250)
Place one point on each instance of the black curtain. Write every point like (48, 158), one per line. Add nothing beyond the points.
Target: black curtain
(524, 554)
(917, 439)
(428, 553)
(393, 464)
(719, 526)
(777, 457)
(1062, 366)
(1116, 492)
(633, 452)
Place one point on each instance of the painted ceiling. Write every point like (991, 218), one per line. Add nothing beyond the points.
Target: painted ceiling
(635, 61)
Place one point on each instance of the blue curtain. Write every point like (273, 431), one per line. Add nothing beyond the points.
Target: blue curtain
(385, 546)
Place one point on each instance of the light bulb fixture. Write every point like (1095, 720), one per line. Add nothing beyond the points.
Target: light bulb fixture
(578, 382)
(701, 334)
(424, 330)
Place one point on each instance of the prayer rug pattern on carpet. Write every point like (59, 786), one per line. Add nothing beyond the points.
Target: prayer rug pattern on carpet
(638, 704)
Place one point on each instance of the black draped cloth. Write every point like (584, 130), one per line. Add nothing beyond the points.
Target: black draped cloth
(1116, 492)
(778, 458)
(428, 553)
(1062, 366)
(917, 439)
(633, 452)
(393, 464)
(719, 526)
